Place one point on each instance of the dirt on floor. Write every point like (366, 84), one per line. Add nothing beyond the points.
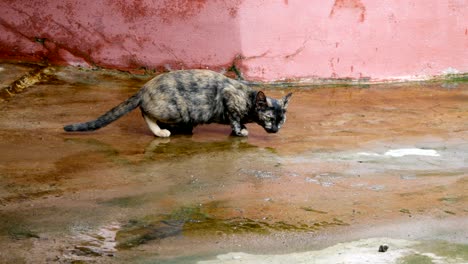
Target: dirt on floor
(363, 165)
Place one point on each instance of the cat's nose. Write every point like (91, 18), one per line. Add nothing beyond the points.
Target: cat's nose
(273, 130)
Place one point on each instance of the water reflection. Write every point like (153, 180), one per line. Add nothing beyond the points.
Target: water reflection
(196, 220)
(185, 146)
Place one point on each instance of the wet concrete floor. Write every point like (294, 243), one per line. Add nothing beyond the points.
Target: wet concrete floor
(352, 169)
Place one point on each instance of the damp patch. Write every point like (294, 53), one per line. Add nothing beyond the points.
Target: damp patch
(94, 243)
(411, 151)
(355, 252)
(403, 152)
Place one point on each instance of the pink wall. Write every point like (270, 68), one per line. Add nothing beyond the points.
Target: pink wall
(268, 39)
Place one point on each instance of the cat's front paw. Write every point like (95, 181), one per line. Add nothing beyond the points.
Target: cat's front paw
(163, 133)
(244, 132)
(241, 133)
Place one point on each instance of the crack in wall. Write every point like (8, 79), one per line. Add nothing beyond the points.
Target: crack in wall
(287, 56)
(299, 50)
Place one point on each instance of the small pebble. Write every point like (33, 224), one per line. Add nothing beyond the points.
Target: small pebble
(383, 248)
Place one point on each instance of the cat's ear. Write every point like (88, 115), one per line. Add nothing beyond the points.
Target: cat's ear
(261, 101)
(285, 100)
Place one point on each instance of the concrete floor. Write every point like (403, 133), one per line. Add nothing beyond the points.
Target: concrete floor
(359, 166)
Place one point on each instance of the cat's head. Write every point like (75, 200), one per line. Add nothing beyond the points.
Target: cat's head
(270, 112)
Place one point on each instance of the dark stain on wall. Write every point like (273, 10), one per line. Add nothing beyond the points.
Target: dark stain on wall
(232, 6)
(179, 9)
(132, 10)
(10, 50)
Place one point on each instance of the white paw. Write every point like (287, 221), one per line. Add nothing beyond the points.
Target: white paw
(244, 132)
(163, 133)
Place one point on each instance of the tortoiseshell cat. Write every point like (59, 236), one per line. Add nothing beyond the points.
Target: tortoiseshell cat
(178, 101)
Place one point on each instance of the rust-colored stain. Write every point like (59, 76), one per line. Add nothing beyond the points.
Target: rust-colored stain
(10, 50)
(232, 7)
(332, 66)
(132, 10)
(179, 9)
(48, 49)
(349, 4)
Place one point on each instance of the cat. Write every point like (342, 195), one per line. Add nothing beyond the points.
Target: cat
(178, 101)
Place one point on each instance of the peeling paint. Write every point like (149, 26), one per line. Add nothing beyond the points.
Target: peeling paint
(350, 5)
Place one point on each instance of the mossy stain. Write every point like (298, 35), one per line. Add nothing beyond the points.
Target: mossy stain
(194, 221)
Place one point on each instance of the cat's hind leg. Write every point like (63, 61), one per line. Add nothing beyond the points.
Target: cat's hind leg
(153, 126)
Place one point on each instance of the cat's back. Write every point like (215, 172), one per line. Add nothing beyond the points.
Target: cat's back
(196, 96)
(189, 81)
(193, 85)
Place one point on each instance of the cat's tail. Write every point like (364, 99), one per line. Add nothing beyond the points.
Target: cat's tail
(109, 117)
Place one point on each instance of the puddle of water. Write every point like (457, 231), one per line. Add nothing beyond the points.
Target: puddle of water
(447, 158)
(184, 146)
(408, 177)
(93, 243)
(404, 152)
(16, 228)
(377, 187)
(361, 251)
(193, 221)
(260, 174)
(324, 179)
(319, 181)
(412, 152)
